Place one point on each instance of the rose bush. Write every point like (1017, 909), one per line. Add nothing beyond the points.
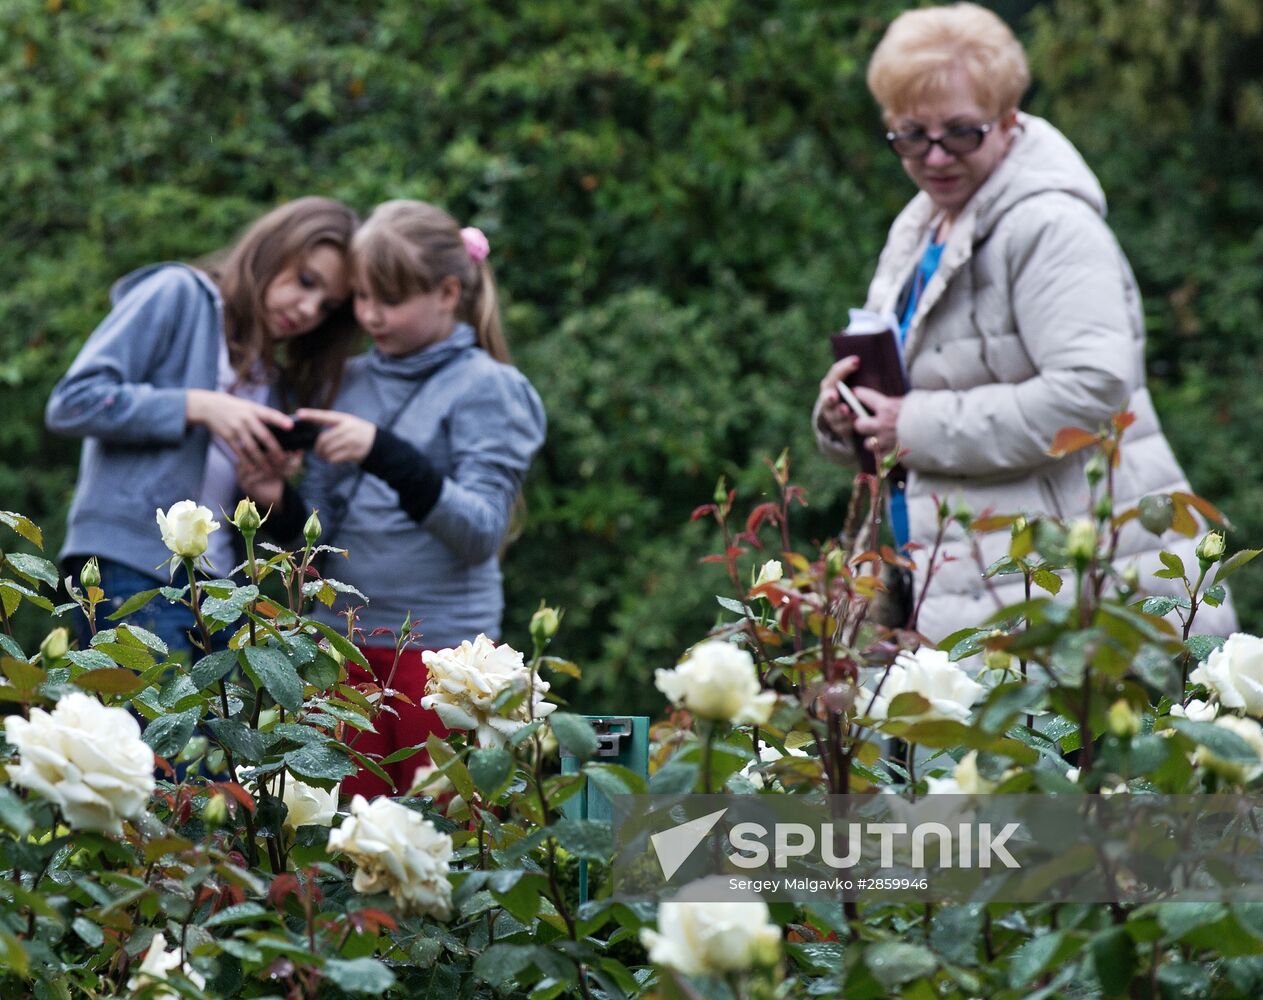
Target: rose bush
(717, 680)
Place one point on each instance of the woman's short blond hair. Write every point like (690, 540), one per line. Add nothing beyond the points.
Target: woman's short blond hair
(922, 49)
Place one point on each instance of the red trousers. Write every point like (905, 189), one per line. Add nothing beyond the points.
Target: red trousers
(409, 727)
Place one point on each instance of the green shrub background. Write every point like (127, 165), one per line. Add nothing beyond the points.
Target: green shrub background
(682, 198)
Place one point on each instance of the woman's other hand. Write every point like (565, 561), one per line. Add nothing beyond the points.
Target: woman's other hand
(880, 429)
(835, 417)
(242, 424)
(264, 482)
(347, 438)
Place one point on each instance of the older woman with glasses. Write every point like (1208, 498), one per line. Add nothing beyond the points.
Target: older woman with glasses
(1016, 310)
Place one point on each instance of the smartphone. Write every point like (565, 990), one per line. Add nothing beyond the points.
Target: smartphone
(300, 437)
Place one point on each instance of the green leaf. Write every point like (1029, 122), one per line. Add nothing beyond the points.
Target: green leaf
(894, 963)
(491, 769)
(1159, 606)
(249, 746)
(1177, 919)
(210, 669)
(90, 659)
(501, 962)
(13, 813)
(271, 668)
(907, 703)
(1114, 958)
(88, 932)
(228, 609)
(1233, 563)
(126, 656)
(359, 975)
(33, 567)
(1038, 954)
(674, 778)
(134, 603)
(24, 526)
(585, 838)
(339, 642)
(322, 763)
(1222, 742)
(614, 779)
(1047, 580)
(1174, 566)
(111, 680)
(1201, 646)
(167, 735)
(956, 932)
(1155, 667)
(574, 733)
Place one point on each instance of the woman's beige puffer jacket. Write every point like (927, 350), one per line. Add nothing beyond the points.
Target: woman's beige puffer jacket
(1032, 322)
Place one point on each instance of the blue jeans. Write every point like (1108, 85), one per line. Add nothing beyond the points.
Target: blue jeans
(169, 622)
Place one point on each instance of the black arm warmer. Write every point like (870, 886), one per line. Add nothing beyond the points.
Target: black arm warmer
(405, 470)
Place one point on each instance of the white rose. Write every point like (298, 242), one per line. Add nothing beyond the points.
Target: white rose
(1195, 711)
(716, 680)
(424, 780)
(158, 965)
(308, 805)
(769, 572)
(398, 851)
(1234, 672)
(965, 779)
(928, 672)
(767, 755)
(87, 759)
(464, 683)
(185, 528)
(698, 938)
(1072, 775)
(1249, 731)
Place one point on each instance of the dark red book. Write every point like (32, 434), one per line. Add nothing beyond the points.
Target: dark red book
(873, 338)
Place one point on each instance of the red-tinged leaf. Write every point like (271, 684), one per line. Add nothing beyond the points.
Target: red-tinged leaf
(796, 494)
(1071, 439)
(266, 609)
(163, 765)
(892, 557)
(1123, 420)
(283, 886)
(1184, 522)
(713, 559)
(372, 921)
(797, 560)
(1203, 506)
(763, 512)
(866, 557)
(237, 792)
(703, 511)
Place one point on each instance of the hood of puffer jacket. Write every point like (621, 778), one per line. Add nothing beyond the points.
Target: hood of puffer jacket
(1040, 160)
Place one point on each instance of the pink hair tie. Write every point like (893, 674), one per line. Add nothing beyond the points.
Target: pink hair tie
(476, 244)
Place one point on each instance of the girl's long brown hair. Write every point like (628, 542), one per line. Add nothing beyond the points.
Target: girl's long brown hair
(408, 247)
(309, 367)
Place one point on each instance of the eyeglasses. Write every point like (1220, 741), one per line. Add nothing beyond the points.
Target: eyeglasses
(958, 141)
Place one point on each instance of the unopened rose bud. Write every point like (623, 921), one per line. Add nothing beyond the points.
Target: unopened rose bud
(834, 562)
(1104, 509)
(246, 517)
(1131, 578)
(544, 624)
(1211, 548)
(721, 491)
(55, 645)
(1157, 511)
(1123, 720)
(769, 572)
(997, 659)
(312, 529)
(1095, 470)
(964, 516)
(1019, 525)
(215, 812)
(90, 575)
(1081, 541)
(944, 510)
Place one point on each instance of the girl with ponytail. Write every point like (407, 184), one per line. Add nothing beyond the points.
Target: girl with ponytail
(420, 461)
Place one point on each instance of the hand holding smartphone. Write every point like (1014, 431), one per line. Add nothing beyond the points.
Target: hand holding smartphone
(300, 437)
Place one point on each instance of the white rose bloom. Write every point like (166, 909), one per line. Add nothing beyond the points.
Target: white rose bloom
(767, 755)
(769, 572)
(158, 965)
(398, 851)
(424, 781)
(964, 780)
(1234, 672)
(928, 672)
(87, 759)
(716, 680)
(308, 805)
(464, 683)
(185, 528)
(1195, 711)
(1249, 731)
(698, 938)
